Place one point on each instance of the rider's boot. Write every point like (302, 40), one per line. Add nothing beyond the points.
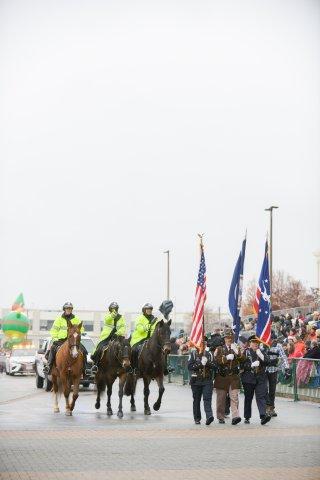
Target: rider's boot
(48, 367)
(94, 369)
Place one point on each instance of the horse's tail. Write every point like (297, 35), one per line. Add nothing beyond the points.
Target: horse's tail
(130, 385)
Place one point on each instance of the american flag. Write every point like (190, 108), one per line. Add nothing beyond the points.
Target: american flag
(197, 330)
(262, 302)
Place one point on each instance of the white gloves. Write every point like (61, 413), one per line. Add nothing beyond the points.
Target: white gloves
(260, 354)
(204, 360)
(255, 364)
(230, 356)
(235, 348)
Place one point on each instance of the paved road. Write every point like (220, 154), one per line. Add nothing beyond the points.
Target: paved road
(38, 444)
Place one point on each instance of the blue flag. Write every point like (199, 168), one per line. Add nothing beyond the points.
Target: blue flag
(262, 302)
(235, 292)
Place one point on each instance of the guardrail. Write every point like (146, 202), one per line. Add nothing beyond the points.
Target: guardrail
(302, 384)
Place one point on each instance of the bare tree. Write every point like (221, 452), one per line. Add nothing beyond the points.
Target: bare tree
(287, 292)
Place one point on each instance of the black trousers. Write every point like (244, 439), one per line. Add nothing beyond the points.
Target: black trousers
(202, 390)
(101, 345)
(260, 389)
(135, 351)
(272, 379)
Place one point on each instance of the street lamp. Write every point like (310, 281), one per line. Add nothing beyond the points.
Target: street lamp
(167, 252)
(270, 248)
(317, 255)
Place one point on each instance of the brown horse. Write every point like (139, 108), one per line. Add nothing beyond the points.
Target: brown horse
(151, 364)
(114, 363)
(68, 367)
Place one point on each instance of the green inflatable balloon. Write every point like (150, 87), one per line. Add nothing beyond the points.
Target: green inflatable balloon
(15, 325)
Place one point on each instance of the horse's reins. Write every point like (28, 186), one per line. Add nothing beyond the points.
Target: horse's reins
(120, 359)
(162, 347)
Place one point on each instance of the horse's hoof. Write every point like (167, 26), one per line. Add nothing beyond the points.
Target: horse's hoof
(147, 412)
(97, 405)
(68, 413)
(133, 408)
(56, 410)
(156, 406)
(120, 414)
(109, 412)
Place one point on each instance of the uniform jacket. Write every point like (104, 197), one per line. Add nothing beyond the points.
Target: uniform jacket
(200, 374)
(109, 323)
(144, 328)
(254, 374)
(228, 371)
(59, 328)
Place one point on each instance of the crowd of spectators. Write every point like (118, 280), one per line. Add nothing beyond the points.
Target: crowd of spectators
(299, 335)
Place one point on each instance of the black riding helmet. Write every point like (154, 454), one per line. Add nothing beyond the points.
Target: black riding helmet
(146, 306)
(113, 306)
(67, 305)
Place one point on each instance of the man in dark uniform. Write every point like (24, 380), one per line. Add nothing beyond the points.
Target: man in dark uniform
(201, 367)
(254, 379)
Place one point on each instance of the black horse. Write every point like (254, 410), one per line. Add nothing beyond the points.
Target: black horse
(151, 365)
(115, 362)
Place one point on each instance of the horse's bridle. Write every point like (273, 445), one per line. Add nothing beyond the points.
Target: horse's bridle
(162, 347)
(73, 345)
(124, 356)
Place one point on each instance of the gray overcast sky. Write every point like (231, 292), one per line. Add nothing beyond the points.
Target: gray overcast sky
(128, 126)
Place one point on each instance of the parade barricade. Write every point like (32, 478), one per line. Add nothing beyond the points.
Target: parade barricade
(302, 384)
(304, 380)
(179, 369)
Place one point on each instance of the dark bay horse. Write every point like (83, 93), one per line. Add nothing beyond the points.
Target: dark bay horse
(114, 363)
(151, 364)
(68, 367)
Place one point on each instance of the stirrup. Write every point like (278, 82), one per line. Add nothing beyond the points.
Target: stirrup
(94, 369)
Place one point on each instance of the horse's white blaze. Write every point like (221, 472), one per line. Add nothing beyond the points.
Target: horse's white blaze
(75, 334)
(74, 351)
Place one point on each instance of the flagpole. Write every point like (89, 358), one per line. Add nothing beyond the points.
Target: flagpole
(200, 235)
(270, 209)
(240, 306)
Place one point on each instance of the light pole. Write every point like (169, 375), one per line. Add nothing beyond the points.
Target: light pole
(317, 255)
(167, 252)
(270, 248)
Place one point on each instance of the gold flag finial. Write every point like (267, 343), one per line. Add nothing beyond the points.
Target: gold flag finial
(200, 235)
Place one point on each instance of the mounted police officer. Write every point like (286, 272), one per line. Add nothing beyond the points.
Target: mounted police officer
(227, 379)
(201, 367)
(59, 333)
(145, 325)
(254, 379)
(114, 326)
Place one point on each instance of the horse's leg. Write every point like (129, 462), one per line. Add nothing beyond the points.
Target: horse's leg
(66, 391)
(55, 394)
(109, 393)
(101, 385)
(159, 380)
(133, 404)
(75, 393)
(122, 381)
(131, 380)
(146, 392)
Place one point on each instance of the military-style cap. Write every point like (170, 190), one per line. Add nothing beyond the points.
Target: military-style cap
(254, 338)
(228, 333)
